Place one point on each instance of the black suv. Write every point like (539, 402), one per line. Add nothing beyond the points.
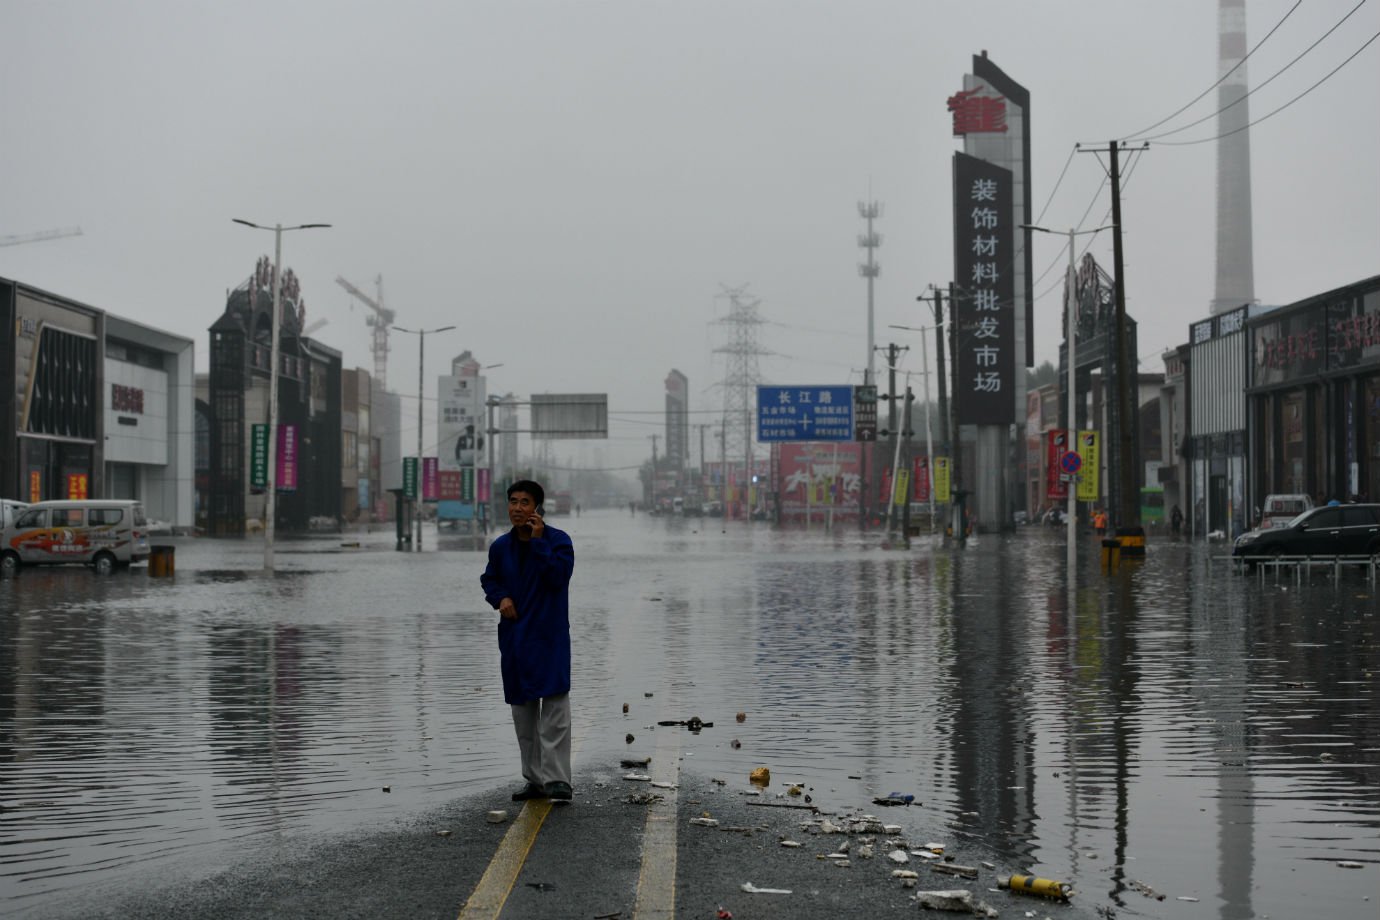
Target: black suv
(1332, 530)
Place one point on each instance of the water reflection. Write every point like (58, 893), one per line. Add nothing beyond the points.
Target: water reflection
(1170, 725)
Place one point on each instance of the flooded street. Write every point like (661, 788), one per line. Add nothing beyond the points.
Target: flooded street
(1172, 726)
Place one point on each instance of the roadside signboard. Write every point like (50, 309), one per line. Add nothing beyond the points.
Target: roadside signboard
(942, 479)
(258, 457)
(804, 413)
(1088, 483)
(865, 413)
(430, 468)
(1071, 462)
(410, 477)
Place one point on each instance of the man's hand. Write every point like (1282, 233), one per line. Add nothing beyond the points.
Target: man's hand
(537, 524)
(507, 609)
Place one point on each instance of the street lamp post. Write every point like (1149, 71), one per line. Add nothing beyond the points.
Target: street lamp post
(421, 335)
(1071, 334)
(271, 486)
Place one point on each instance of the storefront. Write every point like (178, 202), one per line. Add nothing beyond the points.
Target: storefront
(1314, 401)
(149, 400)
(51, 360)
(1217, 425)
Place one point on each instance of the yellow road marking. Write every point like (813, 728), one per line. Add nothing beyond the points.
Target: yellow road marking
(489, 896)
(656, 882)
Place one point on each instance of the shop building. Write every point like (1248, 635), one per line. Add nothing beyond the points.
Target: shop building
(1313, 403)
(308, 472)
(101, 406)
(148, 413)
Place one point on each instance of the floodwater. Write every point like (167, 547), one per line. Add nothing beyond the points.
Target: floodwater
(1172, 725)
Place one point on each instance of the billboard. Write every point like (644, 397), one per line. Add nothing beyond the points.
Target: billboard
(804, 413)
(460, 421)
(558, 416)
(985, 290)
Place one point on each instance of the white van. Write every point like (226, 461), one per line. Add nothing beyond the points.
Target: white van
(102, 532)
(9, 510)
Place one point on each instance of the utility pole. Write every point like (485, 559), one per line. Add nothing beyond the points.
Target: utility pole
(939, 360)
(704, 494)
(893, 354)
(1129, 514)
(1128, 527)
(956, 494)
(907, 460)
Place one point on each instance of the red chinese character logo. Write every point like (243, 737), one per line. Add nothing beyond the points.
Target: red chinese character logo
(974, 114)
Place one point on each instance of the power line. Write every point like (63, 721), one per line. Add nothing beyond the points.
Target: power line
(1267, 82)
(1191, 102)
(1208, 140)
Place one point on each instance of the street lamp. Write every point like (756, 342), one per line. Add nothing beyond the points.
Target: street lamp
(421, 335)
(929, 434)
(1071, 334)
(271, 486)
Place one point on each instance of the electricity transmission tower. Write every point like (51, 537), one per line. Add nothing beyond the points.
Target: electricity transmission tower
(741, 377)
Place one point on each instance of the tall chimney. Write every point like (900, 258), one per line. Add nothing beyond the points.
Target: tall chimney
(1235, 266)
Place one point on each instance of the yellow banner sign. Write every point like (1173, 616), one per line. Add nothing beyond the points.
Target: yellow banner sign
(902, 489)
(1091, 473)
(941, 479)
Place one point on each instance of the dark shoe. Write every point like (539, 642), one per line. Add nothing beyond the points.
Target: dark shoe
(530, 791)
(559, 792)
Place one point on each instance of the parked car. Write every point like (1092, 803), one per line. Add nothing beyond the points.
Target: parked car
(102, 532)
(1279, 510)
(1332, 530)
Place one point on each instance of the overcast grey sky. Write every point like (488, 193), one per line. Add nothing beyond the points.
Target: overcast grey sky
(570, 182)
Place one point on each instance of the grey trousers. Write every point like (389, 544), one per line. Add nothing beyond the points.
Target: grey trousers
(543, 733)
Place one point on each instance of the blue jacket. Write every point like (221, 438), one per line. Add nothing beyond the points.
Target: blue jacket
(535, 647)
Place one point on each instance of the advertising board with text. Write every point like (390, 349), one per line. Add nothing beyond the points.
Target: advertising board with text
(804, 413)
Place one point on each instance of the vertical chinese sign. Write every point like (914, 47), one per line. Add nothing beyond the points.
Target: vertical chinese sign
(1056, 445)
(922, 479)
(1089, 476)
(410, 478)
(942, 480)
(429, 485)
(286, 480)
(76, 485)
(984, 280)
(258, 458)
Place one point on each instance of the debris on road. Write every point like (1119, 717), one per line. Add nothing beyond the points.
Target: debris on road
(894, 798)
(497, 816)
(959, 900)
(1146, 890)
(1350, 864)
(952, 869)
(704, 822)
(760, 777)
(644, 798)
(638, 777)
(631, 763)
(742, 717)
(898, 856)
(791, 844)
(1045, 887)
(753, 889)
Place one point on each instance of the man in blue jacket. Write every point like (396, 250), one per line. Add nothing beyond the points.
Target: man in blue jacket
(527, 581)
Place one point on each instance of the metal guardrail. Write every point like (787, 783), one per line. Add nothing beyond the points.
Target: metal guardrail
(1301, 567)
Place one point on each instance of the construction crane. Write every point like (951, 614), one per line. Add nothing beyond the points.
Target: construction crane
(40, 236)
(381, 319)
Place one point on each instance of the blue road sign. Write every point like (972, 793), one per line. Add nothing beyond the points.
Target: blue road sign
(805, 413)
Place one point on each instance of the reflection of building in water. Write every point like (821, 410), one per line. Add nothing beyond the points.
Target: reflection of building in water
(993, 732)
(1221, 649)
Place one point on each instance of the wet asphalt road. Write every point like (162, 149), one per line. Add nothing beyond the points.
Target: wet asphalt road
(221, 741)
(586, 863)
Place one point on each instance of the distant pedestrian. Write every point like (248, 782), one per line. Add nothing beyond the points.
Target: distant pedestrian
(528, 582)
(1100, 522)
(1176, 520)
